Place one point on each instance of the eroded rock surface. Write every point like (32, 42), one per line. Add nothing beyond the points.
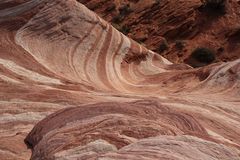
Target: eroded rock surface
(182, 22)
(73, 87)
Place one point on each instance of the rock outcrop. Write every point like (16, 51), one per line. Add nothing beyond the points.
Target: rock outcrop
(74, 87)
(178, 21)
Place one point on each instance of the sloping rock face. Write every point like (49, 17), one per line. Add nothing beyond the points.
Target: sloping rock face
(73, 87)
(180, 22)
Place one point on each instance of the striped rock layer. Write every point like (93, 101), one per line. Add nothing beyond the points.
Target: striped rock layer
(73, 87)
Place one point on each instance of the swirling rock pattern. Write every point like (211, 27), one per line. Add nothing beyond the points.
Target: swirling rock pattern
(73, 87)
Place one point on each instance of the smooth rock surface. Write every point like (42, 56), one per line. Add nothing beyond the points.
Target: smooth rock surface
(73, 87)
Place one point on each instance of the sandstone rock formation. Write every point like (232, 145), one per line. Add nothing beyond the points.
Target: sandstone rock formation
(148, 21)
(73, 87)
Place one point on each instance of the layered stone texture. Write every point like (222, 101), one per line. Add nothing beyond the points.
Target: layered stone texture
(73, 87)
